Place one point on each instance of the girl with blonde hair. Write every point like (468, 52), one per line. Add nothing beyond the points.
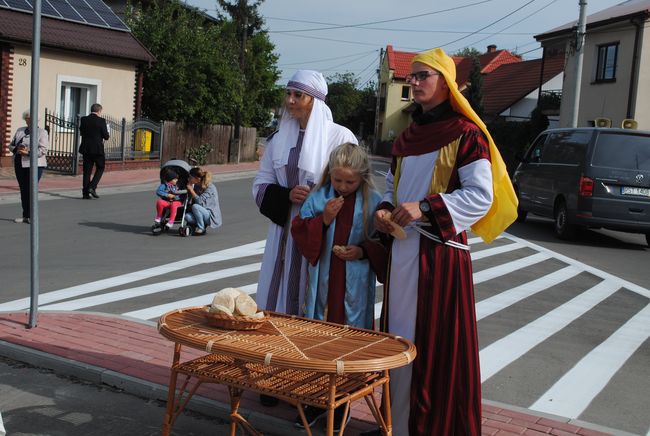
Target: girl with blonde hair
(204, 210)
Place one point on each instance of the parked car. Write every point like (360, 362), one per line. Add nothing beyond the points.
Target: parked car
(587, 177)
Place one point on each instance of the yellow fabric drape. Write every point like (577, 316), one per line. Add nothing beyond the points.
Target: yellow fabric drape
(503, 211)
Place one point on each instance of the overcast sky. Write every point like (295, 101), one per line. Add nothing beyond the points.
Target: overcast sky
(409, 25)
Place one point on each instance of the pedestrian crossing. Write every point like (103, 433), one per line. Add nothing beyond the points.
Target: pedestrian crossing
(527, 298)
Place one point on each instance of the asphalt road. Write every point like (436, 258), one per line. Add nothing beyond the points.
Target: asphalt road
(548, 310)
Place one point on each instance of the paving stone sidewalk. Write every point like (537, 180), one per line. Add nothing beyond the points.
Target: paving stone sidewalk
(132, 356)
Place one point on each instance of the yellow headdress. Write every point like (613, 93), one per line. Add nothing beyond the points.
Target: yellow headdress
(503, 211)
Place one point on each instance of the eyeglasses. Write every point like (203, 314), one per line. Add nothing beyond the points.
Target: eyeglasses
(420, 76)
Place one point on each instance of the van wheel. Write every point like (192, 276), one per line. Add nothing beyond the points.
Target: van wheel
(647, 239)
(563, 229)
(521, 214)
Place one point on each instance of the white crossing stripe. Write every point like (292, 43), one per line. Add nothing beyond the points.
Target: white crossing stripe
(572, 393)
(508, 267)
(252, 249)
(201, 300)
(495, 250)
(140, 291)
(506, 350)
(507, 298)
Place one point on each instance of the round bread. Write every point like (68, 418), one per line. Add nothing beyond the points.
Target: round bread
(245, 305)
(397, 231)
(217, 308)
(226, 298)
(258, 315)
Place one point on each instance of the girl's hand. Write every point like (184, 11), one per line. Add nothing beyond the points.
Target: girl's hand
(381, 222)
(171, 196)
(349, 252)
(299, 193)
(406, 212)
(332, 209)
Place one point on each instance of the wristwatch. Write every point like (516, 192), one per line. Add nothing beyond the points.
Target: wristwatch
(425, 207)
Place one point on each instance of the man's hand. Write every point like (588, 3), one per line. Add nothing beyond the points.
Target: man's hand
(406, 212)
(298, 194)
(332, 208)
(381, 222)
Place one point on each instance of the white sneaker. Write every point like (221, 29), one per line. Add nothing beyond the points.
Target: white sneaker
(21, 220)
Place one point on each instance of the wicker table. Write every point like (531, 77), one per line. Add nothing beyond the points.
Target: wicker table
(298, 360)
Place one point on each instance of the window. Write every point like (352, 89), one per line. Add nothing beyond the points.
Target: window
(75, 95)
(624, 151)
(535, 153)
(567, 148)
(406, 90)
(606, 66)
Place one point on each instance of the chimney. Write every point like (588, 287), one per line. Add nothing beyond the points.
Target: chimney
(491, 48)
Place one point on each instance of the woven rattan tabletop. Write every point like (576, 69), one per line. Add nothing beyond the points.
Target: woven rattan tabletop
(291, 342)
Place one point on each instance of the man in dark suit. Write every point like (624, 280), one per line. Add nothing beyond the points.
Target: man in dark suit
(93, 133)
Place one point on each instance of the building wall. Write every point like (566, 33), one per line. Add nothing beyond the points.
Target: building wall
(115, 81)
(607, 99)
(642, 104)
(393, 121)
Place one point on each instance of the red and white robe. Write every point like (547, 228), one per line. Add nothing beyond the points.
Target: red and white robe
(430, 295)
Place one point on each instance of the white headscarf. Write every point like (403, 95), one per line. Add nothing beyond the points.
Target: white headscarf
(315, 151)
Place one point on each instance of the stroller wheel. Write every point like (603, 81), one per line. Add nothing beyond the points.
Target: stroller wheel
(185, 231)
(156, 229)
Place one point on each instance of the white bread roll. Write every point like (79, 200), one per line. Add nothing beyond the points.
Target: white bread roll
(217, 308)
(245, 305)
(226, 298)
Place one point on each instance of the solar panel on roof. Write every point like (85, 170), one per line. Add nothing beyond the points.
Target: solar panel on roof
(93, 12)
(21, 5)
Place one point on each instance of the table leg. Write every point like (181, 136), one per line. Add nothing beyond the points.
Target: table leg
(171, 393)
(235, 400)
(330, 409)
(385, 399)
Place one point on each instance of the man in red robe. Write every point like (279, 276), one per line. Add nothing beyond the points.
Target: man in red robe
(440, 184)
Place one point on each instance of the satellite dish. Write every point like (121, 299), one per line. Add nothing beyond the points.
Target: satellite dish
(603, 122)
(629, 123)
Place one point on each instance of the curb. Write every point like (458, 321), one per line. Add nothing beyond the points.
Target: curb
(138, 387)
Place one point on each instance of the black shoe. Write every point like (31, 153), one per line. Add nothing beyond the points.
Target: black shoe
(86, 197)
(268, 401)
(338, 418)
(93, 193)
(312, 414)
(375, 432)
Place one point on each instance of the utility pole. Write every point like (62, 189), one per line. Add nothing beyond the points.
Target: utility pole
(580, 51)
(243, 8)
(33, 167)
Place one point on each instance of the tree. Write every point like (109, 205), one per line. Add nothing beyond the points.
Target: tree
(191, 80)
(351, 107)
(257, 91)
(475, 88)
(467, 52)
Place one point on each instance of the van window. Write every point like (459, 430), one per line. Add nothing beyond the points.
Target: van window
(535, 153)
(623, 151)
(567, 147)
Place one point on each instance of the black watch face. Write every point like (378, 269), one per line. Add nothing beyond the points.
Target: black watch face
(424, 207)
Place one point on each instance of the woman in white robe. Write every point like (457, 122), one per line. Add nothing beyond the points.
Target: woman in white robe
(293, 160)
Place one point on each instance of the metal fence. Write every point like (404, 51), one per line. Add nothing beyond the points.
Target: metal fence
(140, 139)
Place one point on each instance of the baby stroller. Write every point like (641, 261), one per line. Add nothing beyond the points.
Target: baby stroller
(182, 169)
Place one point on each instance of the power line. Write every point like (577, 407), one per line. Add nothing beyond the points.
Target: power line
(346, 63)
(489, 25)
(335, 40)
(512, 25)
(328, 59)
(341, 26)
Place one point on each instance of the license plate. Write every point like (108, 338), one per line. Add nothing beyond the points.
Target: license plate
(633, 190)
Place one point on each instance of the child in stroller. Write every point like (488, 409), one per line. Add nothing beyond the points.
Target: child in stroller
(172, 197)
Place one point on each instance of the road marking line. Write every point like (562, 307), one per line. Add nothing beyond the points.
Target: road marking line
(201, 300)
(507, 298)
(252, 249)
(495, 250)
(139, 291)
(506, 350)
(508, 267)
(573, 393)
(595, 271)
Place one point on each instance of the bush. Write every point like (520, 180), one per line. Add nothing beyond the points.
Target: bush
(199, 155)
